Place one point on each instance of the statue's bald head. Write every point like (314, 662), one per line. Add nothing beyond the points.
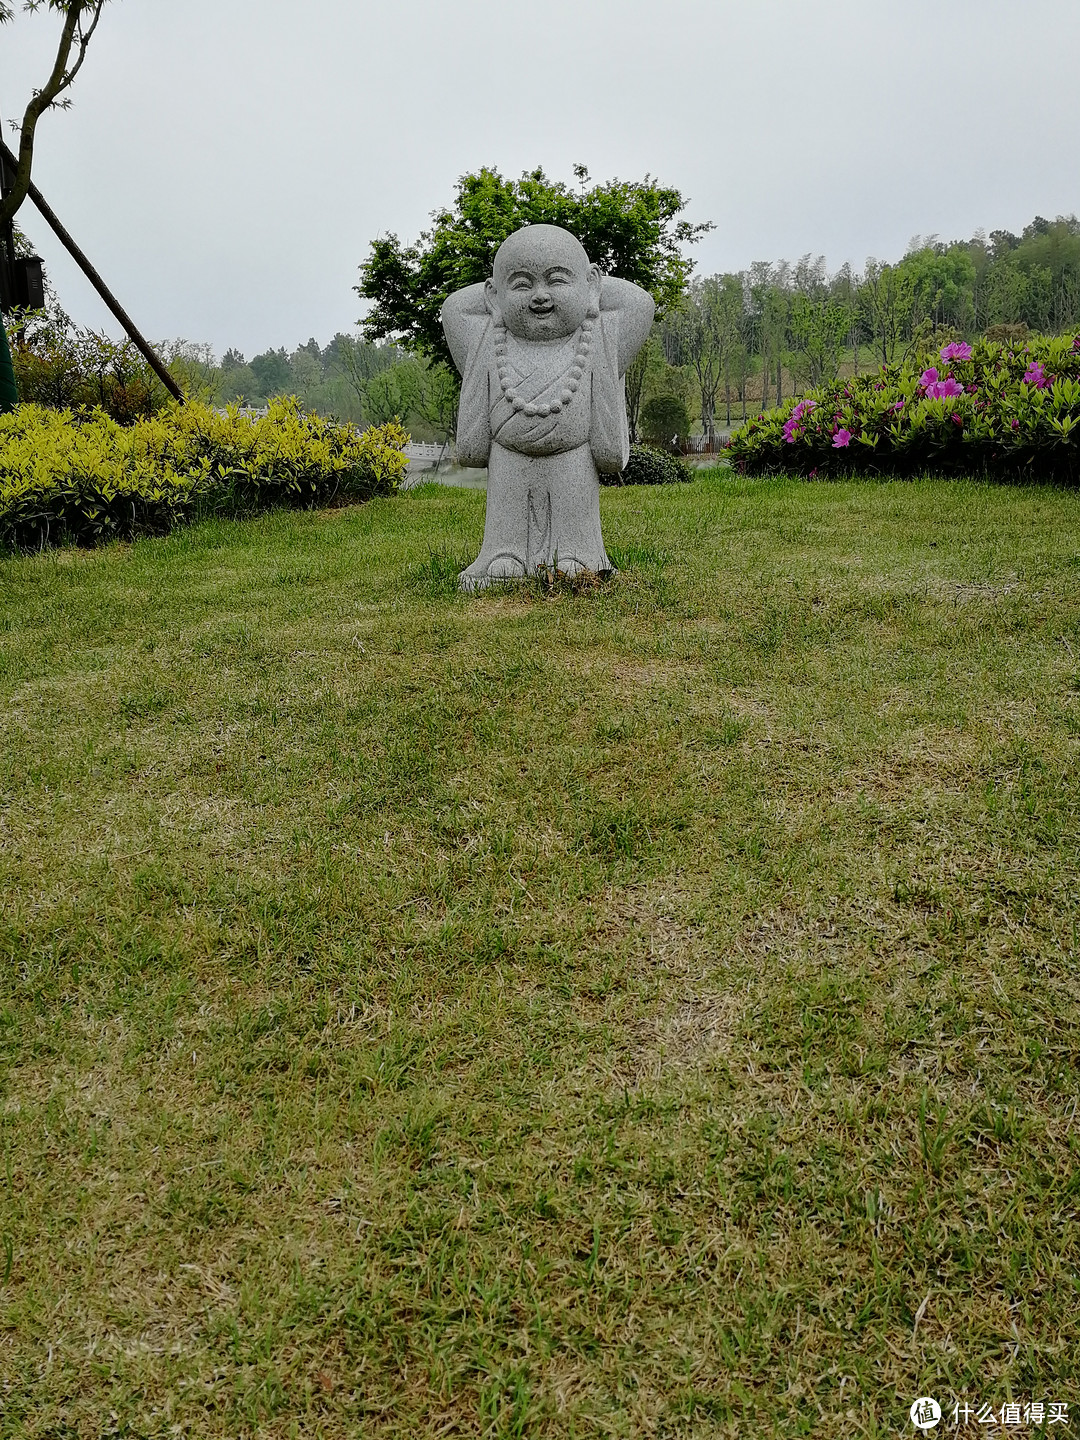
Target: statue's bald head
(544, 285)
(539, 247)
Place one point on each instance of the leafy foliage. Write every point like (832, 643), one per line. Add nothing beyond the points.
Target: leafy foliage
(647, 466)
(996, 408)
(64, 367)
(87, 479)
(629, 228)
(665, 417)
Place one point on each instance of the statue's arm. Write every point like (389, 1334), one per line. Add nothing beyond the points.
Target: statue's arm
(636, 309)
(462, 313)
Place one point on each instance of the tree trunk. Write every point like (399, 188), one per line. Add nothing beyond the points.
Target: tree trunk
(764, 376)
(9, 394)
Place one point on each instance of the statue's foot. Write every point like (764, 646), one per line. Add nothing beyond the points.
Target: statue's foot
(482, 573)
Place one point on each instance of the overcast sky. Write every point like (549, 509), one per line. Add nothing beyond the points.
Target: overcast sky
(227, 162)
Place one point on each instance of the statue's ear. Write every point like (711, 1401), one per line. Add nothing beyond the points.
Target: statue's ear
(596, 280)
(491, 295)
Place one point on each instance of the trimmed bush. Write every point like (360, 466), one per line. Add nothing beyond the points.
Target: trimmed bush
(84, 478)
(1011, 410)
(650, 467)
(665, 418)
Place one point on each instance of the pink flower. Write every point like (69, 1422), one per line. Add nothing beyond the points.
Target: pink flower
(841, 438)
(957, 419)
(1035, 375)
(899, 405)
(1076, 344)
(956, 351)
(791, 425)
(941, 389)
(928, 377)
(1015, 424)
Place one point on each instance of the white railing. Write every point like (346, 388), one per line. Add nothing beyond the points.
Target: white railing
(421, 450)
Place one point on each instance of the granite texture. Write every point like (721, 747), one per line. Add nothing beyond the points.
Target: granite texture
(542, 348)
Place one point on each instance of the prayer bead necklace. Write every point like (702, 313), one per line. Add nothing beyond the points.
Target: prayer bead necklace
(571, 383)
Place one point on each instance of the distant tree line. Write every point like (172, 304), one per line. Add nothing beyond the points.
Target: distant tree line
(780, 328)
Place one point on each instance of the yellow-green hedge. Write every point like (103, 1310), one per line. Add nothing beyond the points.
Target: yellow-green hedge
(74, 477)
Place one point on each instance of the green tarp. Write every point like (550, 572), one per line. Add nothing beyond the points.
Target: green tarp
(9, 395)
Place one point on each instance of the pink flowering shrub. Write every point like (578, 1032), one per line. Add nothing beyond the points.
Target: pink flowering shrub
(793, 425)
(958, 350)
(991, 407)
(1036, 375)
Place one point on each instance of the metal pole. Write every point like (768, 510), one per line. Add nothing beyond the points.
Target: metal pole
(142, 345)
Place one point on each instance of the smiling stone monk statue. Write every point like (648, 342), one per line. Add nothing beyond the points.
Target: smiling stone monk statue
(542, 348)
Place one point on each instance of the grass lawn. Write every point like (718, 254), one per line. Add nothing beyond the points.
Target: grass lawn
(642, 1011)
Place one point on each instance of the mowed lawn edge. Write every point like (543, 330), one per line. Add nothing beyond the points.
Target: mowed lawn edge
(637, 1009)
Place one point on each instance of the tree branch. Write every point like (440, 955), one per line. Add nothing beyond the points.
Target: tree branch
(71, 35)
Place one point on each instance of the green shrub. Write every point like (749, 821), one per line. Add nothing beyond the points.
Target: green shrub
(85, 478)
(1000, 409)
(647, 466)
(70, 369)
(664, 418)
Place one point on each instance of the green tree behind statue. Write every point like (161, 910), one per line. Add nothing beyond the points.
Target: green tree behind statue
(630, 229)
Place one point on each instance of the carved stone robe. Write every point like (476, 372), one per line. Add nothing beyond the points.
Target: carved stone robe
(543, 501)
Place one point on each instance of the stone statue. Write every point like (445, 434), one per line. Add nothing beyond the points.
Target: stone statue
(542, 348)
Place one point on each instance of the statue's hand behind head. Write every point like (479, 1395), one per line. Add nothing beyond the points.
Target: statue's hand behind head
(544, 285)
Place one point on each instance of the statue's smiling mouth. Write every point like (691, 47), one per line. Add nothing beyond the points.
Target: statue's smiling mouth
(542, 307)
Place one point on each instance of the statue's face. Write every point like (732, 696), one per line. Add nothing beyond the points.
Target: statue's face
(544, 286)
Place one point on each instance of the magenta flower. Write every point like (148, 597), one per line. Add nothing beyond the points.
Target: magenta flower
(791, 425)
(941, 389)
(1076, 344)
(1015, 424)
(956, 351)
(899, 405)
(957, 419)
(1035, 375)
(841, 438)
(929, 377)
